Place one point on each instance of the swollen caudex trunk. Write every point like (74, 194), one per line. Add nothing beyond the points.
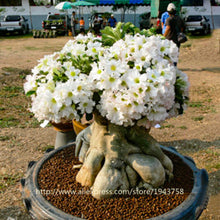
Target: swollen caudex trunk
(119, 158)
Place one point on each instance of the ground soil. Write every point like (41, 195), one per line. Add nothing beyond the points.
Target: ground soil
(196, 133)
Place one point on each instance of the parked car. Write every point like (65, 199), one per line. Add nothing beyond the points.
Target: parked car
(197, 23)
(14, 23)
(145, 21)
(58, 22)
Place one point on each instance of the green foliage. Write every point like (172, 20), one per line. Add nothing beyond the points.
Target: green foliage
(183, 127)
(11, 69)
(167, 126)
(29, 93)
(2, 11)
(45, 148)
(13, 88)
(195, 104)
(198, 118)
(4, 138)
(7, 180)
(111, 35)
(150, 32)
(7, 122)
(59, 75)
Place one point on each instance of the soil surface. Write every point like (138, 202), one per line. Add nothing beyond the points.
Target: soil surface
(196, 133)
(78, 201)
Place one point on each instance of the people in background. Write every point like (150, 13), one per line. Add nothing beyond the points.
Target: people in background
(112, 21)
(164, 17)
(97, 24)
(105, 22)
(158, 25)
(73, 23)
(82, 26)
(174, 25)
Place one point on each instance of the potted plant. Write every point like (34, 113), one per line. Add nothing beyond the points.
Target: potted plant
(127, 81)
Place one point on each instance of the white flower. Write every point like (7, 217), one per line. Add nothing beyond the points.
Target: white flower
(86, 104)
(71, 71)
(30, 84)
(158, 113)
(93, 48)
(133, 78)
(114, 68)
(131, 82)
(96, 73)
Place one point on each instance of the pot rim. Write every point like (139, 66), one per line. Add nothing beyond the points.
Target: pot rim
(190, 208)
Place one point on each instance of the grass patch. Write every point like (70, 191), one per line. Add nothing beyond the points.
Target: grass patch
(33, 122)
(211, 165)
(12, 89)
(8, 96)
(51, 49)
(167, 126)
(16, 106)
(31, 48)
(213, 110)
(4, 138)
(11, 69)
(213, 152)
(186, 45)
(7, 180)
(45, 148)
(208, 158)
(198, 118)
(207, 109)
(8, 122)
(217, 166)
(22, 72)
(14, 111)
(195, 104)
(183, 127)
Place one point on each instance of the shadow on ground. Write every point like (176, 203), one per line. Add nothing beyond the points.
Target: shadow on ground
(191, 146)
(208, 69)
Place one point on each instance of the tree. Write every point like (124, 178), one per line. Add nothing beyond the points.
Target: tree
(32, 3)
(10, 3)
(123, 9)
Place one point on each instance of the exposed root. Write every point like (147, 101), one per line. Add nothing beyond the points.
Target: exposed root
(116, 158)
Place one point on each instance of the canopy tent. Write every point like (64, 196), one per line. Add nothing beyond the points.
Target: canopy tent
(63, 6)
(83, 3)
(120, 2)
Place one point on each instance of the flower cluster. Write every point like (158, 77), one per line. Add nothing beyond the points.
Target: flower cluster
(131, 82)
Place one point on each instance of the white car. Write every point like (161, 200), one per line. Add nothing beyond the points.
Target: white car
(197, 23)
(14, 23)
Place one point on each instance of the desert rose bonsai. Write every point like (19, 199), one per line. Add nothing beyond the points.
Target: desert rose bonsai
(128, 82)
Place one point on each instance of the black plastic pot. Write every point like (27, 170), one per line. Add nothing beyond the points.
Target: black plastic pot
(40, 208)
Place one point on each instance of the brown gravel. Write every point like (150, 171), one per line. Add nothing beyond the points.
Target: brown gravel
(57, 175)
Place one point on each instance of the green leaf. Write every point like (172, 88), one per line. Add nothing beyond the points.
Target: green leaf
(108, 36)
(29, 93)
(111, 35)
